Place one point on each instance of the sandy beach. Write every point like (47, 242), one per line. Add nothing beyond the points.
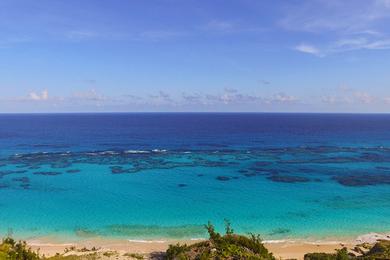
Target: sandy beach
(281, 249)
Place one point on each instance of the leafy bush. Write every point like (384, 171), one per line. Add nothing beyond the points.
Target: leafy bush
(134, 255)
(228, 246)
(341, 254)
(12, 250)
(380, 251)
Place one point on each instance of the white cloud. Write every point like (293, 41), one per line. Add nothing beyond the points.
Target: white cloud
(88, 95)
(232, 96)
(44, 95)
(387, 100)
(363, 97)
(310, 49)
(348, 95)
(329, 99)
(161, 98)
(345, 44)
(283, 98)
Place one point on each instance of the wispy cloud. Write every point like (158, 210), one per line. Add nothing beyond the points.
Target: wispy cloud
(344, 97)
(158, 35)
(344, 45)
(347, 95)
(318, 16)
(264, 82)
(310, 49)
(232, 27)
(81, 34)
(222, 26)
(339, 26)
(161, 98)
(387, 100)
(283, 98)
(232, 96)
(89, 95)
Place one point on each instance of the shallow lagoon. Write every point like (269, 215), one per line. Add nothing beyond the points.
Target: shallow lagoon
(152, 176)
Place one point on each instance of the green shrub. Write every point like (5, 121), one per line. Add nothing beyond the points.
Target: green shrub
(228, 246)
(177, 251)
(134, 255)
(12, 250)
(380, 251)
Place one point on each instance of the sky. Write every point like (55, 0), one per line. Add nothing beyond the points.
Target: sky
(195, 55)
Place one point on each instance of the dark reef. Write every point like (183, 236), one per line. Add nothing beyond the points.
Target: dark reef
(47, 173)
(285, 164)
(223, 178)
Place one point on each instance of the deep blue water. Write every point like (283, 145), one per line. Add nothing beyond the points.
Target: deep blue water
(165, 175)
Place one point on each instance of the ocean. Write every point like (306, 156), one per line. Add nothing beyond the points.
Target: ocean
(165, 175)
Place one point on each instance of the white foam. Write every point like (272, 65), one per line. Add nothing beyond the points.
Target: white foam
(146, 241)
(37, 243)
(159, 150)
(277, 241)
(108, 152)
(136, 151)
(324, 242)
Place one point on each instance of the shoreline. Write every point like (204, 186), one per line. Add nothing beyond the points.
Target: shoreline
(284, 249)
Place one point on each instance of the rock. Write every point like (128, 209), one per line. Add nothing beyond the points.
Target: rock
(371, 238)
(223, 178)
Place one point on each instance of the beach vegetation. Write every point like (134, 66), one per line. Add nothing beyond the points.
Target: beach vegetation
(218, 246)
(379, 251)
(89, 256)
(341, 254)
(11, 249)
(134, 255)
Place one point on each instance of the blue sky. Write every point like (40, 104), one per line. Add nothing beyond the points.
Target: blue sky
(195, 55)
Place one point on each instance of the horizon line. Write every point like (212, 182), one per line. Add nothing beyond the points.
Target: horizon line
(192, 112)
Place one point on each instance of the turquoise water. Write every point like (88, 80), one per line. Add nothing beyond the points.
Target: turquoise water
(152, 176)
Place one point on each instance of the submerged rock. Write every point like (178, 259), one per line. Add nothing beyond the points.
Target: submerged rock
(262, 164)
(73, 171)
(118, 170)
(4, 173)
(250, 174)
(22, 179)
(279, 231)
(362, 180)
(288, 179)
(3, 186)
(47, 173)
(223, 178)
(25, 186)
(385, 168)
